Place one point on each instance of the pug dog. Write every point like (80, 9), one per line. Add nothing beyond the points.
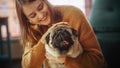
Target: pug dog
(62, 40)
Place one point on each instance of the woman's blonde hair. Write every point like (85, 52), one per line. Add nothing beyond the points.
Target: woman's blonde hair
(27, 33)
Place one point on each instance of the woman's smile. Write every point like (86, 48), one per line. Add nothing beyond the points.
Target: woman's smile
(45, 17)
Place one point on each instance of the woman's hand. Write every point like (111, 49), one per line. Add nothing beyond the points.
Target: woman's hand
(59, 23)
(48, 31)
(52, 59)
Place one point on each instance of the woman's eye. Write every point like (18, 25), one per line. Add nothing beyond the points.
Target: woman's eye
(33, 15)
(40, 7)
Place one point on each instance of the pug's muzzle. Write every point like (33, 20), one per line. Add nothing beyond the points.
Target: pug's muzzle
(62, 40)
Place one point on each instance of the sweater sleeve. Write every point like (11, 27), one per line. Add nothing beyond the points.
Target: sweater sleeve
(92, 56)
(33, 57)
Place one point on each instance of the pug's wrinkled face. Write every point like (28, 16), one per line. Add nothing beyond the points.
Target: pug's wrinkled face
(60, 40)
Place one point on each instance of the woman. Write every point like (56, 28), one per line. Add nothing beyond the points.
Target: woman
(36, 16)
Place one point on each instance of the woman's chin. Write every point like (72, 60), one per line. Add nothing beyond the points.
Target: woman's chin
(45, 24)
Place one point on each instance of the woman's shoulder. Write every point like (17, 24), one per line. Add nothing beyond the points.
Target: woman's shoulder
(64, 7)
(68, 9)
(71, 14)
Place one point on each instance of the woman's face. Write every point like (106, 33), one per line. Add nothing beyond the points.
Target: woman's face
(37, 12)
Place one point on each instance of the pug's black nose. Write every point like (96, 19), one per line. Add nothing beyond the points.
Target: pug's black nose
(64, 45)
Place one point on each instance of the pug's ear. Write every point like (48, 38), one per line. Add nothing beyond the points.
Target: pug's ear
(74, 32)
(47, 38)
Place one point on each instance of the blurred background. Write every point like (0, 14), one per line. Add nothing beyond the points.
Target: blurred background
(103, 15)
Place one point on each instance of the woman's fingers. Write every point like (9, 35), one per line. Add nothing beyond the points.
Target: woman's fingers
(60, 23)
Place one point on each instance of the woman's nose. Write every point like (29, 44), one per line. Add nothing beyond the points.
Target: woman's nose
(39, 16)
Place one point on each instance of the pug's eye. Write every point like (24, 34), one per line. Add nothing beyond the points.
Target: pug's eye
(74, 32)
(47, 38)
